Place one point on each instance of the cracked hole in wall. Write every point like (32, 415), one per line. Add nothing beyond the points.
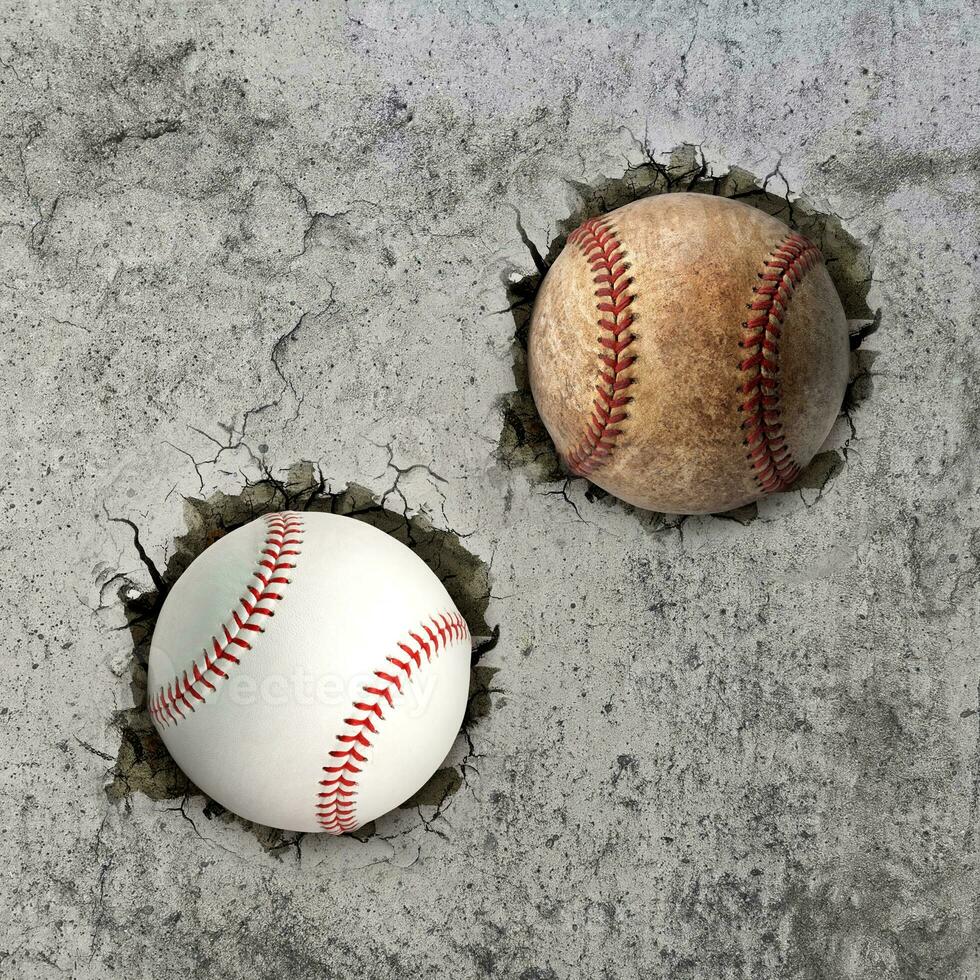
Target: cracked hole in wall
(143, 764)
(524, 442)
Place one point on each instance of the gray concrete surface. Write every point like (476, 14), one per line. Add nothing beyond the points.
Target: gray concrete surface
(234, 237)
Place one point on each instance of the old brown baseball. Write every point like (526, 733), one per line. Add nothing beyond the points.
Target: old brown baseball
(688, 353)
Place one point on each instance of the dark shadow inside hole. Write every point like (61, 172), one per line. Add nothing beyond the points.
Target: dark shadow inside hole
(525, 444)
(143, 764)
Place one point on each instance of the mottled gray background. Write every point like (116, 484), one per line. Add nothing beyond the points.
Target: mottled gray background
(234, 237)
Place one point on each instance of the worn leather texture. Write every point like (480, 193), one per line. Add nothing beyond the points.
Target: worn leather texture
(683, 429)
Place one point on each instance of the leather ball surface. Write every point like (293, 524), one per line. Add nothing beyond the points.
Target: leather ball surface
(688, 353)
(309, 672)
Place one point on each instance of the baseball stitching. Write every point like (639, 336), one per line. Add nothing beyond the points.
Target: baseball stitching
(772, 462)
(284, 532)
(336, 807)
(604, 253)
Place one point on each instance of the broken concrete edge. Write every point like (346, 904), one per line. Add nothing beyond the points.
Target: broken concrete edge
(525, 445)
(143, 765)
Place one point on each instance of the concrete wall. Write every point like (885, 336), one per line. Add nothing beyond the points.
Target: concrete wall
(234, 237)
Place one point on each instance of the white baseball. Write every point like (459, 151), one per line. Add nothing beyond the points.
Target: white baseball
(309, 672)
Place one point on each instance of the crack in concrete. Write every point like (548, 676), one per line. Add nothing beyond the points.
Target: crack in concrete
(143, 764)
(151, 568)
(143, 132)
(524, 443)
(681, 84)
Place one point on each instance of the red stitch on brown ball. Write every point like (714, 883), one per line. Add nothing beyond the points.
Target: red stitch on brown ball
(765, 440)
(598, 242)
